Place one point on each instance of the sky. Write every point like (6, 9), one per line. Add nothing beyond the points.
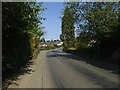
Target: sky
(52, 23)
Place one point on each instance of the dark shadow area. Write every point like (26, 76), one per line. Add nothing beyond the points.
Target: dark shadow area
(27, 69)
(12, 78)
(75, 55)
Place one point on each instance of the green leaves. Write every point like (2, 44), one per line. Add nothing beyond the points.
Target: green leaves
(68, 29)
(99, 22)
(21, 32)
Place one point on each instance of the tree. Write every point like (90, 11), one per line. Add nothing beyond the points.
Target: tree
(42, 40)
(102, 18)
(98, 22)
(68, 29)
(21, 30)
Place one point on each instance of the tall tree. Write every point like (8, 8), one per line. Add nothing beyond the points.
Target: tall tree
(68, 29)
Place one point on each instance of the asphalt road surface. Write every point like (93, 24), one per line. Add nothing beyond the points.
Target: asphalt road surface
(56, 69)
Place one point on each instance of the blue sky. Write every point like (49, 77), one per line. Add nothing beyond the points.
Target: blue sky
(52, 23)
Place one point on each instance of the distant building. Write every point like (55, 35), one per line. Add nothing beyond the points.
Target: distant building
(45, 44)
(42, 44)
(59, 43)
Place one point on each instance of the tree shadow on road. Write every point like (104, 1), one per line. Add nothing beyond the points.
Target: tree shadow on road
(27, 69)
(77, 56)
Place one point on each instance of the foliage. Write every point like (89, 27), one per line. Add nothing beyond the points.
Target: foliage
(68, 29)
(21, 33)
(97, 25)
(71, 48)
(42, 40)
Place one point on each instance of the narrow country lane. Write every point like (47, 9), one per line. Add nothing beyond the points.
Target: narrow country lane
(56, 69)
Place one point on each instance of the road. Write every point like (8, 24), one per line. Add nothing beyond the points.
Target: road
(56, 69)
